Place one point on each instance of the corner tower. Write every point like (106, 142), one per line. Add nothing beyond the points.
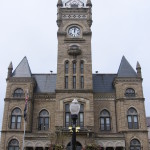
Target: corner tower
(74, 64)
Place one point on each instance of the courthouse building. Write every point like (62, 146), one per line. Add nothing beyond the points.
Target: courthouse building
(112, 112)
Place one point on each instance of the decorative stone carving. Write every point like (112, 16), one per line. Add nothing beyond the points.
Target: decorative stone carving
(74, 50)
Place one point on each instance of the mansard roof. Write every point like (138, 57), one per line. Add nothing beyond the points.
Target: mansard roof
(125, 69)
(23, 69)
(103, 83)
(46, 83)
(148, 121)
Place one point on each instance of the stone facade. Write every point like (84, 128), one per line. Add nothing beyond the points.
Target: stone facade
(113, 115)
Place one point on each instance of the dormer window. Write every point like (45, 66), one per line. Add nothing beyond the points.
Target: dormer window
(18, 93)
(130, 92)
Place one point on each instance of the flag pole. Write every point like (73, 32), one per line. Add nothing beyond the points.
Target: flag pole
(24, 134)
(25, 116)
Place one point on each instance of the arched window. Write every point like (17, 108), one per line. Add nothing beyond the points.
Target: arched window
(105, 124)
(135, 145)
(80, 120)
(43, 120)
(82, 67)
(18, 93)
(66, 67)
(13, 145)
(130, 92)
(74, 67)
(132, 119)
(16, 119)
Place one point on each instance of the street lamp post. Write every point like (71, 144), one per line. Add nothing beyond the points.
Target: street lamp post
(74, 109)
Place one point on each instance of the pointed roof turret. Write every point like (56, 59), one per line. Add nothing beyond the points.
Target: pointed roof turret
(125, 69)
(10, 68)
(138, 68)
(89, 3)
(23, 69)
(59, 4)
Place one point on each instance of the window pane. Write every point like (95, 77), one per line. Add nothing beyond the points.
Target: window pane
(18, 125)
(102, 120)
(107, 127)
(107, 121)
(130, 125)
(67, 117)
(129, 119)
(136, 125)
(11, 148)
(66, 67)
(66, 82)
(67, 108)
(46, 120)
(81, 117)
(81, 108)
(135, 119)
(19, 119)
(102, 127)
(13, 126)
(74, 82)
(13, 119)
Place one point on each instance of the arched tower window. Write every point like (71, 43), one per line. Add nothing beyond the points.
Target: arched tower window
(80, 120)
(16, 119)
(130, 92)
(18, 93)
(105, 124)
(13, 145)
(74, 67)
(66, 67)
(82, 67)
(135, 145)
(132, 119)
(43, 120)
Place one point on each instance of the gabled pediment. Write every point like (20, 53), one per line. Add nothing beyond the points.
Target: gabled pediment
(74, 4)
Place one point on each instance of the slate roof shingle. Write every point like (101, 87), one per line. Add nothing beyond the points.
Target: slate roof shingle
(148, 121)
(23, 69)
(103, 83)
(46, 83)
(125, 69)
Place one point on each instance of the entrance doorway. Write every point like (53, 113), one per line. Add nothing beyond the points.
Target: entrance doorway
(78, 146)
(109, 148)
(39, 148)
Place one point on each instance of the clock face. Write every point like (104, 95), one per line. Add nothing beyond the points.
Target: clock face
(74, 31)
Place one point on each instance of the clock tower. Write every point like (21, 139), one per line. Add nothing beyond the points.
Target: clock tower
(74, 63)
(74, 66)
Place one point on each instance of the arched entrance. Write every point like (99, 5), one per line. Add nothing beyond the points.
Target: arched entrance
(78, 146)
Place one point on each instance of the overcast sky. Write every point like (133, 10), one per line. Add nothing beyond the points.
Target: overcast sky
(120, 27)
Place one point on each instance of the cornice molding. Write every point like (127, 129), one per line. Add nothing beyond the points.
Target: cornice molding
(51, 97)
(119, 79)
(74, 91)
(138, 99)
(22, 79)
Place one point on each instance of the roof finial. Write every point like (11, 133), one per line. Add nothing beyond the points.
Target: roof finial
(138, 68)
(59, 4)
(89, 3)
(10, 68)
